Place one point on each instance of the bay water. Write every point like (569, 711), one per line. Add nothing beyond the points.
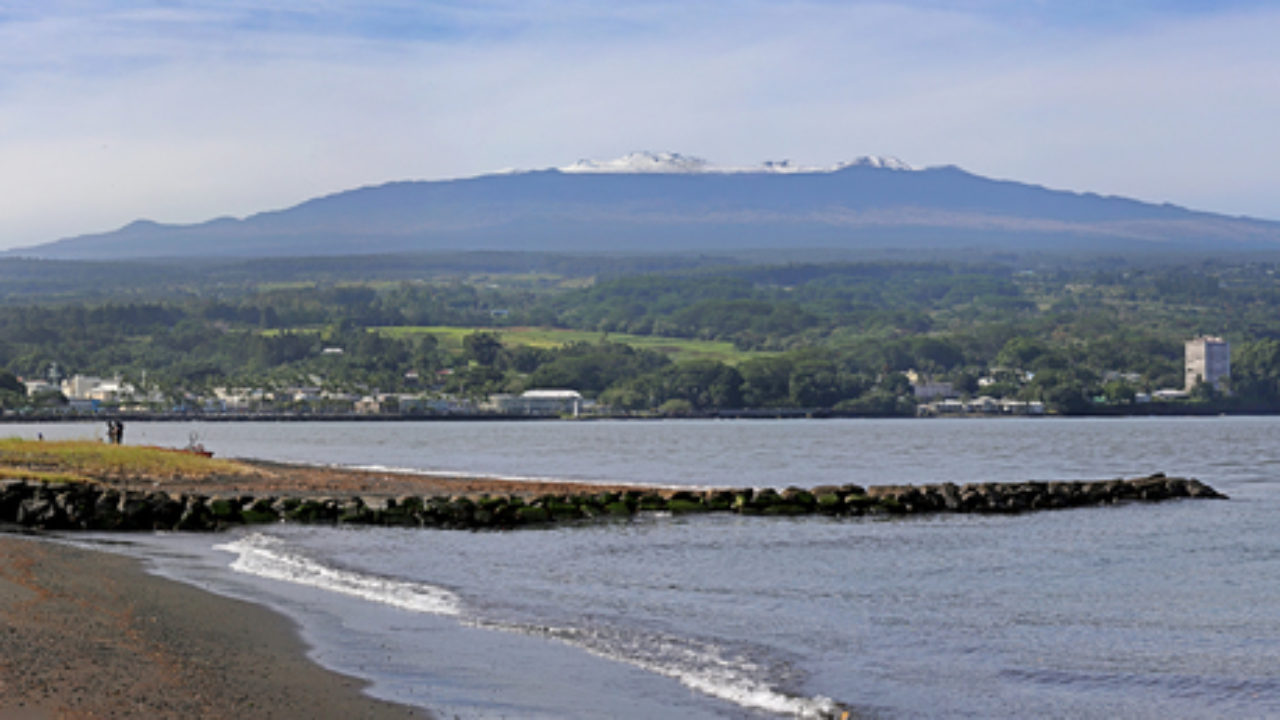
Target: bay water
(1137, 610)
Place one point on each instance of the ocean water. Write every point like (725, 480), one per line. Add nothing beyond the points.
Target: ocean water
(1136, 611)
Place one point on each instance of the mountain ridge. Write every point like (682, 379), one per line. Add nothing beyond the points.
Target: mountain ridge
(864, 204)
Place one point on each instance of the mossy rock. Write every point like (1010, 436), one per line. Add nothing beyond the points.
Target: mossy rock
(618, 508)
(829, 503)
(400, 517)
(195, 517)
(354, 512)
(797, 496)
(717, 502)
(460, 510)
(766, 497)
(224, 510)
(306, 511)
(563, 510)
(859, 501)
(261, 509)
(651, 503)
(106, 515)
(685, 505)
(162, 509)
(254, 517)
(490, 503)
(531, 514)
(410, 504)
(892, 505)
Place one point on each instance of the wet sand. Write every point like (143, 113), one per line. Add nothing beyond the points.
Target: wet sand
(85, 634)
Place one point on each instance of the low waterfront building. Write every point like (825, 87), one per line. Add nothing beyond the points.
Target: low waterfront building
(88, 387)
(928, 390)
(37, 387)
(552, 401)
(239, 399)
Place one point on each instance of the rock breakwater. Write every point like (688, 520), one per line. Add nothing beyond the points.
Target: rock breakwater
(87, 506)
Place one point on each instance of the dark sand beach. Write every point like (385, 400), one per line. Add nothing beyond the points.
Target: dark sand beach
(92, 635)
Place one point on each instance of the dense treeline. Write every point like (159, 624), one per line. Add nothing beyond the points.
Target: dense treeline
(837, 335)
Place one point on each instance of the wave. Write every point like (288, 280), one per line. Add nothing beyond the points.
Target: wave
(701, 666)
(266, 556)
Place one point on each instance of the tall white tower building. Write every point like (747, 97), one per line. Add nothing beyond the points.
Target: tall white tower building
(1208, 360)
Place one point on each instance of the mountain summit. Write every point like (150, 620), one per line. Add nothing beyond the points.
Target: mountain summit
(668, 202)
(651, 162)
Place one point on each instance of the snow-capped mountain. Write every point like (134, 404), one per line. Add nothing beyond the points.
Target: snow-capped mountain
(667, 162)
(667, 202)
(641, 162)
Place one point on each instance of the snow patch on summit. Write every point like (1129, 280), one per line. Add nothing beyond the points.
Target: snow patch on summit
(641, 162)
(669, 162)
(884, 162)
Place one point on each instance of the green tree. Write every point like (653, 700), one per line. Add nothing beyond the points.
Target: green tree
(482, 347)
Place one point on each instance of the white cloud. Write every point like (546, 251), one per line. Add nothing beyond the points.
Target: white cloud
(183, 115)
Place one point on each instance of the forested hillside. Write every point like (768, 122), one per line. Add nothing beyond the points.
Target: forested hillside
(692, 336)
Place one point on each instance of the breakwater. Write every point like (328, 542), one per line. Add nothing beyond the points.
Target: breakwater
(87, 506)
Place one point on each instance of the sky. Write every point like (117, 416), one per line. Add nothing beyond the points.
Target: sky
(185, 111)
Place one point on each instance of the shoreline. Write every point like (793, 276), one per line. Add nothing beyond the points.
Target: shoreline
(1150, 410)
(92, 634)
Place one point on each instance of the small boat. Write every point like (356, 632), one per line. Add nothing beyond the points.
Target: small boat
(195, 447)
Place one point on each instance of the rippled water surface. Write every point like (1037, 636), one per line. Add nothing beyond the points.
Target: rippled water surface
(1163, 610)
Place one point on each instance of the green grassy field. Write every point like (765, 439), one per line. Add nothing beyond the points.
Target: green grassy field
(678, 349)
(78, 460)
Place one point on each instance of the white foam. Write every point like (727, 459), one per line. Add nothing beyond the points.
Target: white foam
(265, 556)
(699, 666)
(702, 667)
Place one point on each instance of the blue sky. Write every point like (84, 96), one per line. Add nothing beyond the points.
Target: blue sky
(184, 111)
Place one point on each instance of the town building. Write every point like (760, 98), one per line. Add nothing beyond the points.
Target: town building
(926, 388)
(37, 387)
(87, 387)
(538, 402)
(1208, 360)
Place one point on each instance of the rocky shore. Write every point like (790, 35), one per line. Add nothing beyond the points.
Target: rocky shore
(93, 506)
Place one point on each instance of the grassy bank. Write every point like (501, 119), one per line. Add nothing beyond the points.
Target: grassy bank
(678, 349)
(450, 338)
(88, 460)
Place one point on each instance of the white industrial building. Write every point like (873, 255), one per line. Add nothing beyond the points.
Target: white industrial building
(1208, 361)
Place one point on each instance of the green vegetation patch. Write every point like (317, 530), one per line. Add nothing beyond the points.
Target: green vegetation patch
(678, 349)
(82, 459)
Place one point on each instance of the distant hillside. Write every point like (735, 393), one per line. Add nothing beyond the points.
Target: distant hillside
(663, 205)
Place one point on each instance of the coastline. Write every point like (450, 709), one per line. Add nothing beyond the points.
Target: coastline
(92, 634)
